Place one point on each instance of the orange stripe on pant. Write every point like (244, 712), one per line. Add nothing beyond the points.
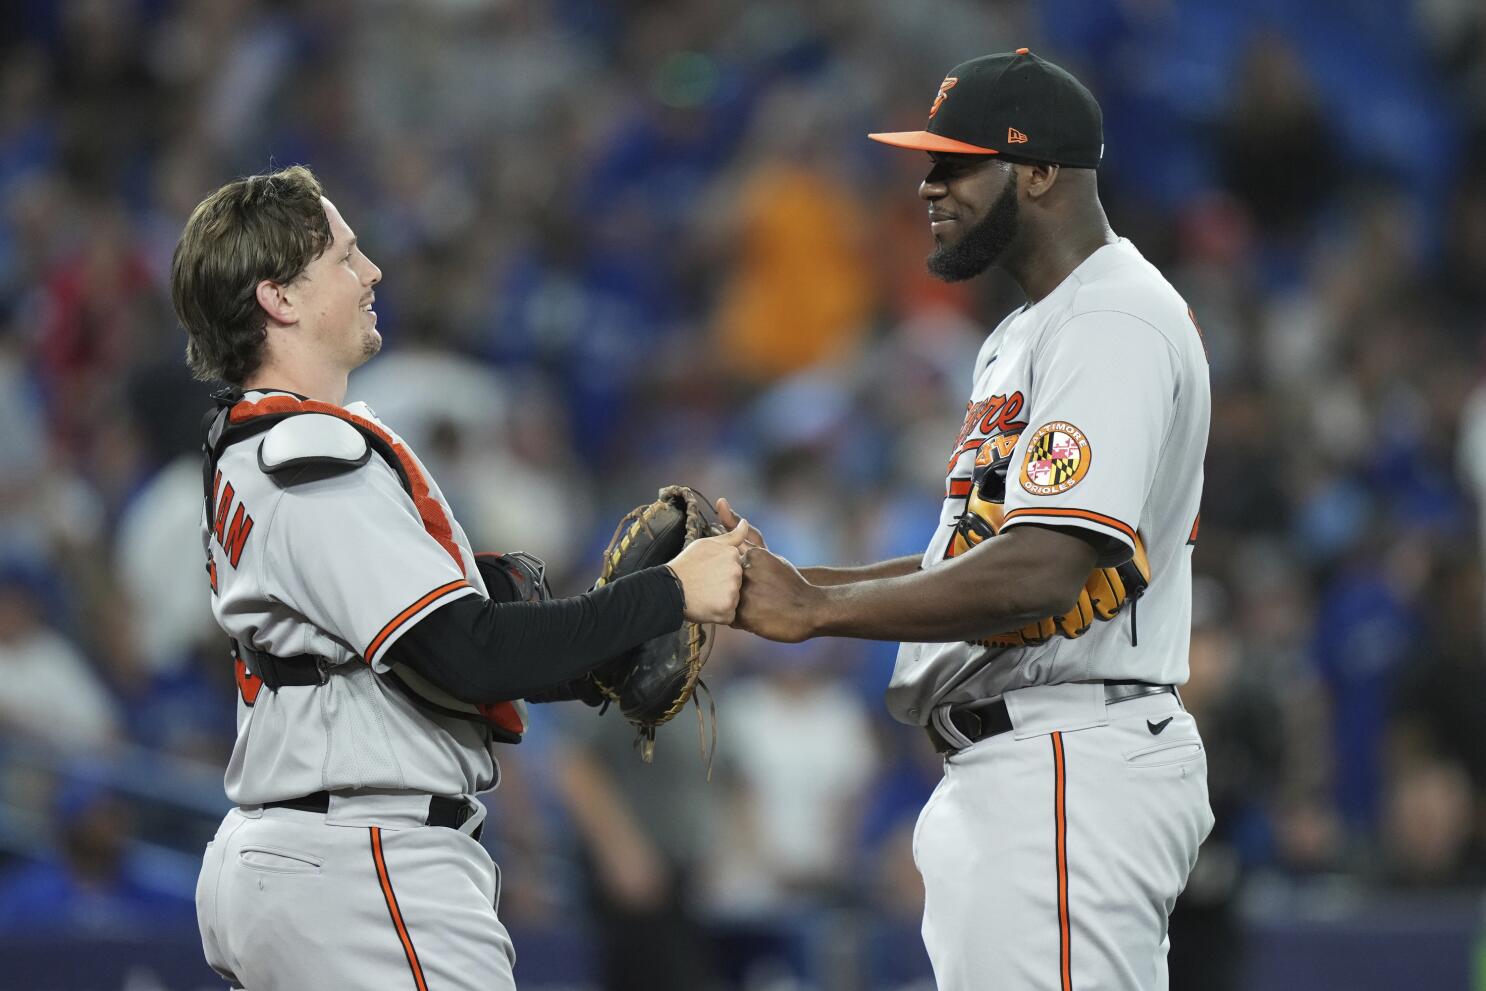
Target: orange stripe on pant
(394, 911)
(1060, 818)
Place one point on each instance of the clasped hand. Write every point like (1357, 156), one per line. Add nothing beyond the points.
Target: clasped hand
(777, 603)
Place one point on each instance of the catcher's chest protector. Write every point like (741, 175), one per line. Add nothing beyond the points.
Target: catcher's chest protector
(328, 439)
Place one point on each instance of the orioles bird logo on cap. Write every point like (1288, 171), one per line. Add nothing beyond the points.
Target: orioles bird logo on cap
(944, 88)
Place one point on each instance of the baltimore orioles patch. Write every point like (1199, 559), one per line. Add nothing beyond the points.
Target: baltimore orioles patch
(1058, 457)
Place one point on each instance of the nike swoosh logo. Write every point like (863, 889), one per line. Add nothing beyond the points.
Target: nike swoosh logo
(1156, 728)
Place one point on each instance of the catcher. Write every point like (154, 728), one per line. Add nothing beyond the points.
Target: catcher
(378, 658)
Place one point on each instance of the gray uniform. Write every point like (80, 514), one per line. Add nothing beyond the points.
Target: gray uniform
(1052, 854)
(339, 562)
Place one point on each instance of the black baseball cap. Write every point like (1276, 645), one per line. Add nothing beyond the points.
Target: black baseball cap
(1013, 104)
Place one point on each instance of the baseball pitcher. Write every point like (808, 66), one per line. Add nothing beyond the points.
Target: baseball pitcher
(1045, 629)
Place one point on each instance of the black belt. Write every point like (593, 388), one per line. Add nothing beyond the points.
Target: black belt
(276, 672)
(983, 720)
(448, 812)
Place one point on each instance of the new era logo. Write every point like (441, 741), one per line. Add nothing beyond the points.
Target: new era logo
(1014, 137)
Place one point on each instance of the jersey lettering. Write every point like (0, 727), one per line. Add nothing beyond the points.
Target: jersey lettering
(995, 413)
(233, 537)
(1004, 445)
(248, 684)
(1002, 415)
(996, 418)
(237, 535)
(224, 504)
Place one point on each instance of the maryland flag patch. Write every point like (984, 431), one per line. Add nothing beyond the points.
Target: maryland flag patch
(1058, 458)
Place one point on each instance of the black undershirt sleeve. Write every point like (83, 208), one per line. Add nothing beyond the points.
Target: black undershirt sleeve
(481, 651)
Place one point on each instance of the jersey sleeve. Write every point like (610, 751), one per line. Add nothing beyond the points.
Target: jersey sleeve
(1104, 393)
(351, 554)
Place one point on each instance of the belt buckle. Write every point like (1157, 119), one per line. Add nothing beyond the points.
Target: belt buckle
(447, 811)
(466, 810)
(958, 722)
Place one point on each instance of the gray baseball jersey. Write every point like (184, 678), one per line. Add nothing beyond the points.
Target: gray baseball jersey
(1094, 403)
(1099, 393)
(317, 545)
(338, 566)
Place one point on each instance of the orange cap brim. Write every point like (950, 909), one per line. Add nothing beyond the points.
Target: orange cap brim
(927, 141)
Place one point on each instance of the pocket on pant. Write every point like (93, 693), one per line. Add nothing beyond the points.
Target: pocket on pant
(275, 860)
(1165, 754)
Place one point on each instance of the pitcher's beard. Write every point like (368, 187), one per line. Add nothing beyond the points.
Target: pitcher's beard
(983, 245)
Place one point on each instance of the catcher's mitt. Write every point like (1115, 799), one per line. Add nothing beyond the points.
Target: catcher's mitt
(653, 682)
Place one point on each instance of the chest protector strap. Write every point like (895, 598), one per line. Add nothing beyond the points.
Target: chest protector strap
(233, 419)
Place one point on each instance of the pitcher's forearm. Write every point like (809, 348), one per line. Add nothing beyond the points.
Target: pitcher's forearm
(924, 607)
(895, 568)
(1005, 582)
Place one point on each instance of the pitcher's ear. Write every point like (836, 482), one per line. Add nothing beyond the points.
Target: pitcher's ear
(1039, 177)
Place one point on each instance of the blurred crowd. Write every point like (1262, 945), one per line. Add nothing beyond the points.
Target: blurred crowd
(627, 242)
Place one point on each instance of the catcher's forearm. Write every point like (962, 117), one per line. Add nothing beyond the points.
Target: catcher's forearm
(828, 576)
(1008, 581)
(481, 651)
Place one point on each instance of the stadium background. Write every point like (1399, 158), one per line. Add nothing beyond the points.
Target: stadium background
(558, 190)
